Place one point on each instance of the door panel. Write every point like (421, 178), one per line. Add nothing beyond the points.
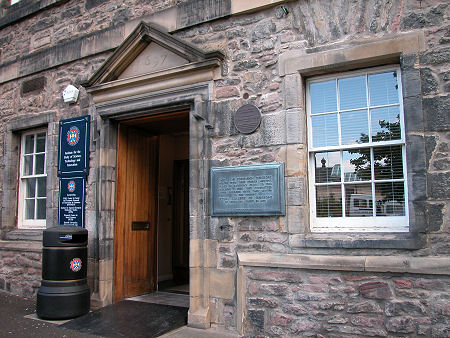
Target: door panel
(134, 246)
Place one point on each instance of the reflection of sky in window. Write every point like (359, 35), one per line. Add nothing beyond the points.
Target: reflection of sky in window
(383, 89)
(353, 124)
(388, 114)
(325, 130)
(323, 97)
(350, 169)
(352, 93)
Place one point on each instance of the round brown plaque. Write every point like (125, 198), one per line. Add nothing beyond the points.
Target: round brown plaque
(247, 118)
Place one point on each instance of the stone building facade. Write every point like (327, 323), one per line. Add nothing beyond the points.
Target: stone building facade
(180, 69)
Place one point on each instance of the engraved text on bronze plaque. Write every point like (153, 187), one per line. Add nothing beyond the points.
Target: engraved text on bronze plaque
(250, 190)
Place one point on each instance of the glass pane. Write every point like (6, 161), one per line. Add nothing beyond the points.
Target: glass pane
(388, 163)
(29, 144)
(385, 123)
(30, 184)
(356, 164)
(40, 143)
(28, 165)
(328, 167)
(325, 130)
(323, 97)
(358, 200)
(40, 162)
(329, 201)
(390, 199)
(41, 209)
(354, 127)
(42, 186)
(352, 93)
(29, 209)
(383, 89)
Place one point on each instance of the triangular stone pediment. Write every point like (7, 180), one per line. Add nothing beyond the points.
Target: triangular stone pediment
(152, 59)
(149, 50)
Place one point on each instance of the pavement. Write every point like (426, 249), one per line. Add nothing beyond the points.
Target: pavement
(18, 319)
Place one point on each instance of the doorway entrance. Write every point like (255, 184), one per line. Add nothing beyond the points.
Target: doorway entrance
(151, 236)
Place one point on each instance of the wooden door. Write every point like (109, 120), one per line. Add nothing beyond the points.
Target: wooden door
(135, 225)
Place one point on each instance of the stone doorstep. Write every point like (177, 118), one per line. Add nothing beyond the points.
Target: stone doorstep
(188, 332)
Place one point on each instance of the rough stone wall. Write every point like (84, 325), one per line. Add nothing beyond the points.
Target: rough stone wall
(252, 45)
(306, 303)
(20, 271)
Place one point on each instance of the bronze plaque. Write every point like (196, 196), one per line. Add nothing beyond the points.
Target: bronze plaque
(247, 119)
(248, 190)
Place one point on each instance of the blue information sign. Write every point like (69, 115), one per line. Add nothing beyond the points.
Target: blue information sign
(71, 201)
(73, 146)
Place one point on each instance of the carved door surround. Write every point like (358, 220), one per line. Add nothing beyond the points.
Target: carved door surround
(151, 73)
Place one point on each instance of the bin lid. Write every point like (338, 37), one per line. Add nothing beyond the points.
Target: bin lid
(65, 236)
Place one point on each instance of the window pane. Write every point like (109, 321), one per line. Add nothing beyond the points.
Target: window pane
(40, 162)
(356, 164)
(388, 163)
(29, 144)
(41, 209)
(28, 165)
(328, 167)
(358, 200)
(329, 201)
(354, 127)
(352, 93)
(323, 97)
(385, 124)
(40, 143)
(383, 89)
(325, 130)
(30, 184)
(42, 186)
(390, 199)
(29, 209)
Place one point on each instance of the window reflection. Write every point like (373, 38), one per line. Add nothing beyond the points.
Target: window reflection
(390, 199)
(325, 130)
(383, 89)
(352, 93)
(385, 124)
(358, 200)
(356, 164)
(354, 127)
(328, 167)
(329, 201)
(323, 97)
(388, 163)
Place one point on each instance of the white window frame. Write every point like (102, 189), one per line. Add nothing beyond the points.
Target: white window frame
(22, 222)
(356, 224)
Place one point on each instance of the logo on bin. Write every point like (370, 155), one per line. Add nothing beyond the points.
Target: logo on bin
(75, 264)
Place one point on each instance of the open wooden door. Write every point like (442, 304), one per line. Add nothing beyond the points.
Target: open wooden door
(136, 205)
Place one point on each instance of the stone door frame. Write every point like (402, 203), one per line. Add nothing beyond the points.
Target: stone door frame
(196, 99)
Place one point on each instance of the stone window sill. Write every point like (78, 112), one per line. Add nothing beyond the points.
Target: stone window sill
(25, 246)
(24, 235)
(410, 241)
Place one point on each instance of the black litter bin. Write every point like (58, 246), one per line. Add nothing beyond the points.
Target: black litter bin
(64, 292)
